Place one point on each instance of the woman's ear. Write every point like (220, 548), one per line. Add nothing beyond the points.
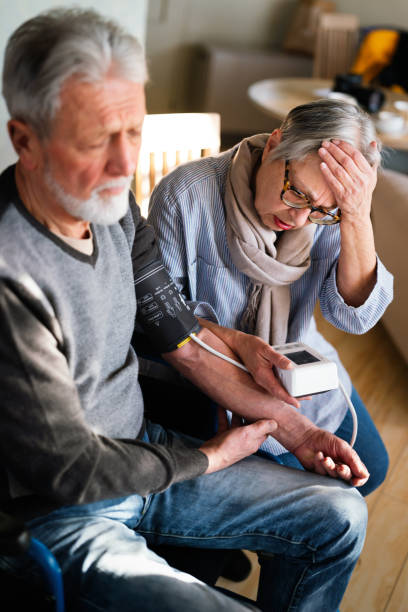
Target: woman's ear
(272, 142)
(25, 142)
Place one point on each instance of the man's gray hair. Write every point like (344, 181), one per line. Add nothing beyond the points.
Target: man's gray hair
(306, 126)
(47, 50)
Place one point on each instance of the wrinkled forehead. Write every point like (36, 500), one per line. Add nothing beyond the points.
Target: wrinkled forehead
(99, 104)
(306, 176)
(306, 168)
(303, 171)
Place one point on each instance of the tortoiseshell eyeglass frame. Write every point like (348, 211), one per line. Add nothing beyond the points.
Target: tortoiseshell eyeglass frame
(334, 217)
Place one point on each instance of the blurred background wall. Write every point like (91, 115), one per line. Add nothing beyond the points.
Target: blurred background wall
(177, 31)
(176, 27)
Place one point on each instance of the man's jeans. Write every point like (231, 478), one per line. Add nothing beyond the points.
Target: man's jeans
(308, 530)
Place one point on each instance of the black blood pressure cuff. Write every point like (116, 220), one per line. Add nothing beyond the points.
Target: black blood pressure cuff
(161, 310)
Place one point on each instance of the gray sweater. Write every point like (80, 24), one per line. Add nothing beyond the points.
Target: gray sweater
(71, 408)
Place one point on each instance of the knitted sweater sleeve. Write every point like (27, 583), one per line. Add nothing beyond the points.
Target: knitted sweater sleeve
(46, 446)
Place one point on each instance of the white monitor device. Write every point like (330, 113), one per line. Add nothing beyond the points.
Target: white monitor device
(310, 373)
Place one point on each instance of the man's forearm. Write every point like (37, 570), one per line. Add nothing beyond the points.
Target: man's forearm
(227, 335)
(235, 390)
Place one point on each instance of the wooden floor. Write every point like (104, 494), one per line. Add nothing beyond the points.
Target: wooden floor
(380, 579)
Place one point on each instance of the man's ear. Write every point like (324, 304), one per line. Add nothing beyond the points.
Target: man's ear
(26, 143)
(272, 142)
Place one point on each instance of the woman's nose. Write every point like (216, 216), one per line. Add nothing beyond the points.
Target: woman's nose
(300, 216)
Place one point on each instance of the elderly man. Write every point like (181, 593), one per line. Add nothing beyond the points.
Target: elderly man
(95, 481)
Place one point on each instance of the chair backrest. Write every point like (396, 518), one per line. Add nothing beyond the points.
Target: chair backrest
(169, 140)
(336, 44)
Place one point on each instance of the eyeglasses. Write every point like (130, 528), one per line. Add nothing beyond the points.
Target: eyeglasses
(297, 199)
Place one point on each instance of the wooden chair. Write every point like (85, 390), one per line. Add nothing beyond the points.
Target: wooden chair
(336, 44)
(169, 140)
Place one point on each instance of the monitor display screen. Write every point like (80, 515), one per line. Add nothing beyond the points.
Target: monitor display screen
(301, 357)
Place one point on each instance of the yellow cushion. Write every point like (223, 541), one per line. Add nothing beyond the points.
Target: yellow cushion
(375, 53)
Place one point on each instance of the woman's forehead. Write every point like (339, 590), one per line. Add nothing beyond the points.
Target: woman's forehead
(306, 171)
(307, 177)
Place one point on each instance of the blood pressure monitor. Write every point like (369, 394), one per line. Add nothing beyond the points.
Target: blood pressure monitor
(310, 373)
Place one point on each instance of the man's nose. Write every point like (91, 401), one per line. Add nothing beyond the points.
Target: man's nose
(122, 158)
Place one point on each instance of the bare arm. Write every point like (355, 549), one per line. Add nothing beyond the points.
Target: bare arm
(258, 357)
(235, 390)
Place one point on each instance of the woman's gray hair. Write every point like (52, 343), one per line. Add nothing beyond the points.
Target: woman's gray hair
(47, 50)
(308, 125)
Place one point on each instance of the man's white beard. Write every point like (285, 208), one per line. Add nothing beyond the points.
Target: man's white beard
(104, 210)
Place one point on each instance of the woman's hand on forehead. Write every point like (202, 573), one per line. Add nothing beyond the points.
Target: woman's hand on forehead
(350, 178)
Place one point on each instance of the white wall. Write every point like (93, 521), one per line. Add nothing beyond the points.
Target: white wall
(377, 12)
(131, 13)
(174, 26)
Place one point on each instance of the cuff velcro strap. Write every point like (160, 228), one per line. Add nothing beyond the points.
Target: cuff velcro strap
(161, 310)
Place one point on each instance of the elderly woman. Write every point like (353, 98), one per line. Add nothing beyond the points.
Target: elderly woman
(255, 236)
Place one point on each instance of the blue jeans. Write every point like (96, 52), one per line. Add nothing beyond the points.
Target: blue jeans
(307, 529)
(368, 445)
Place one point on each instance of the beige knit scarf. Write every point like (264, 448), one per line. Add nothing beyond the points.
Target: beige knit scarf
(271, 264)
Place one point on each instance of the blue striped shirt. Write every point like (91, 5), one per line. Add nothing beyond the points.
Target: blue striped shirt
(187, 212)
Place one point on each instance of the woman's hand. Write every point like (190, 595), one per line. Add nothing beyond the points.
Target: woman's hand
(350, 178)
(260, 358)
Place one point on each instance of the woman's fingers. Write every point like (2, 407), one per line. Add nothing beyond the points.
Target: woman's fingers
(347, 155)
(349, 176)
(347, 163)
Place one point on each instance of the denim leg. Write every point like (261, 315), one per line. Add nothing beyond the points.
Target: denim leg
(107, 566)
(368, 445)
(309, 529)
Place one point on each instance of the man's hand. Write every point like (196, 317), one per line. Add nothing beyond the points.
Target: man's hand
(325, 453)
(235, 444)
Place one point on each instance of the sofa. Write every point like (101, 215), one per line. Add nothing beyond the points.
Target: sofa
(222, 75)
(390, 221)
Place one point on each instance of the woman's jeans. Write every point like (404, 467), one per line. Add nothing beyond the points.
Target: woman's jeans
(368, 445)
(308, 530)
